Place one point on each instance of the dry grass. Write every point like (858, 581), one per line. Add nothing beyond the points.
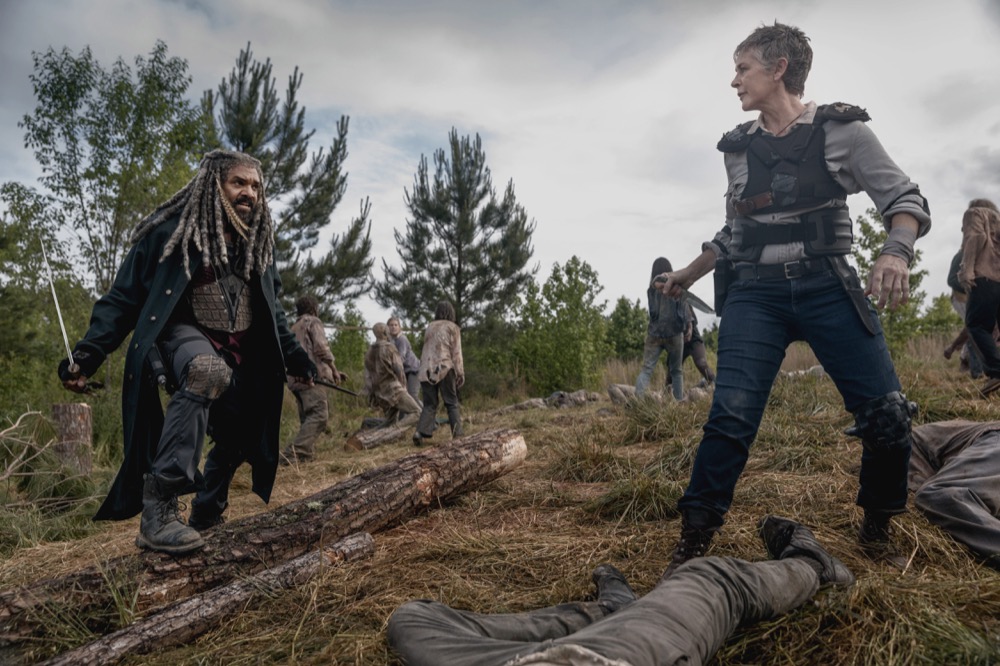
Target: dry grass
(598, 486)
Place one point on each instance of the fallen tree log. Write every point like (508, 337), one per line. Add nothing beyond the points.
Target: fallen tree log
(371, 501)
(185, 620)
(369, 439)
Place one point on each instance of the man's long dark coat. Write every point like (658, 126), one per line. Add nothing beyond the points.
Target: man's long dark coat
(145, 293)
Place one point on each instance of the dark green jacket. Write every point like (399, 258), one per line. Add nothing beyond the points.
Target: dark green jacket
(142, 298)
(667, 317)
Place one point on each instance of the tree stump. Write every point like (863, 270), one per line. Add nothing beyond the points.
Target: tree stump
(74, 443)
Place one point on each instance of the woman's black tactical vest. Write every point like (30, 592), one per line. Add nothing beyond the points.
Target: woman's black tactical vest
(790, 173)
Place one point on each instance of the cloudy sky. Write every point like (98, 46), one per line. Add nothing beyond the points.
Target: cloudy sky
(605, 114)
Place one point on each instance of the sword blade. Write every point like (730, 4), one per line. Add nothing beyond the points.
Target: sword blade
(73, 367)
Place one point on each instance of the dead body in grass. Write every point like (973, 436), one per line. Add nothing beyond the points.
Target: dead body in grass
(685, 619)
(955, 473)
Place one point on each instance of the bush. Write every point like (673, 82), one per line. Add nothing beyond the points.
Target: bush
(627, 329)
(563, 333)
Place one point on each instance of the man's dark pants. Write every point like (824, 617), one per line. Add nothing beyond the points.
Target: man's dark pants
(190, 417)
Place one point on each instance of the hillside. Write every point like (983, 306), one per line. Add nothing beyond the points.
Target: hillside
(599, 485)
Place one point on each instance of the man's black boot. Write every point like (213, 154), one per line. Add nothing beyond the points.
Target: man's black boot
(875, 538)
(786, 538)
(203, 519)
(161, 527)
(694, 542)
(613, 591)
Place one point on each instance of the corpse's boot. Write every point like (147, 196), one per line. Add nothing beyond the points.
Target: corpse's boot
(787, 538)
(694, 542)
(613, 591)
(161, 527)
(875, 538)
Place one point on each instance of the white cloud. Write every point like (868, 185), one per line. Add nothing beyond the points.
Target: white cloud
(605, 115)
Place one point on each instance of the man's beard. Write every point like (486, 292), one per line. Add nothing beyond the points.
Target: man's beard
(240, 222)
(247, 215)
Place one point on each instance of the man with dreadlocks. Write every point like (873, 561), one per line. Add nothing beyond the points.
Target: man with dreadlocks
(199, 286)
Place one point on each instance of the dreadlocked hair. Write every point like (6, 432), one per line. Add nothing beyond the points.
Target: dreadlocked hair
(204, 210)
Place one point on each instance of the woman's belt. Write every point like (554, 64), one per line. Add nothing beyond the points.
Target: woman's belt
(786, 271)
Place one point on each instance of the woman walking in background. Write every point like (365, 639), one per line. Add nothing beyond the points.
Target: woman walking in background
(411, 364)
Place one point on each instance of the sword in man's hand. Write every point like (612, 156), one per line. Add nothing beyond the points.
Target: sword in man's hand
(74, 369)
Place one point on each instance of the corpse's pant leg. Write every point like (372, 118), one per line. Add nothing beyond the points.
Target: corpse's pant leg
(687, 617)
(428, 633)
(963, 498)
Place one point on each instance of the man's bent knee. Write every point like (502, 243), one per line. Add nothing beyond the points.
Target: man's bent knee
(208, 376)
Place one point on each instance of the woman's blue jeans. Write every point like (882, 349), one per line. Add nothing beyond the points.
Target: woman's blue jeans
(760, 319)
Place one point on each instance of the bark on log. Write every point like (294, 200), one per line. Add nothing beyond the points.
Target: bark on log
(369, 439)
(371, 501)
(74, 443)
(184, 621)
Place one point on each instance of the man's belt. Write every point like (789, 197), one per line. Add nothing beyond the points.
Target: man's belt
(786, 271)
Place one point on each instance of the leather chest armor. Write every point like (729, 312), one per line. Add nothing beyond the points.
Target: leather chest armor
(222, 304)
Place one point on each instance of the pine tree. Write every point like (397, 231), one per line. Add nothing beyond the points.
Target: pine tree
(627, 329)
(302, 190)
(462, 243)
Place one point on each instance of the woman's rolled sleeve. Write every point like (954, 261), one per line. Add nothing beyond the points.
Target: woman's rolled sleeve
(868, 167)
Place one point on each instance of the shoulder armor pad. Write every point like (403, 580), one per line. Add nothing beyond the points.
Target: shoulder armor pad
(735, 140)
(841, 112)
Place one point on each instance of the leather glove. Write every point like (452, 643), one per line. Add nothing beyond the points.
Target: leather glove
(87, 363)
